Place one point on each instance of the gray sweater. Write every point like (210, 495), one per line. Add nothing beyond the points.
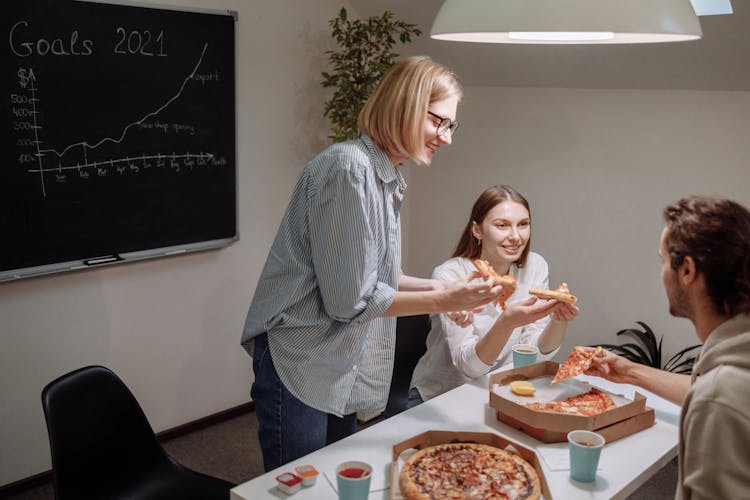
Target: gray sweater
(714, 452)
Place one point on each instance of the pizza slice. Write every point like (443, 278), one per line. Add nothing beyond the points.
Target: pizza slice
(578, 361)
(507, 281)
(587, 404)
(562, 294)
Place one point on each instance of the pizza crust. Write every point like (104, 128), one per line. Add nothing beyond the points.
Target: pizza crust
(427, 467)
(489, 273)
(553, 295)
(484, 268)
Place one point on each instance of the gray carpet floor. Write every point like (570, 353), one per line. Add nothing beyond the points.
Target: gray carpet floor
(230, 450)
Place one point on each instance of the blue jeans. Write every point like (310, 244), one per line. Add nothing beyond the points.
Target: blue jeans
(287, 427)
(414, 398)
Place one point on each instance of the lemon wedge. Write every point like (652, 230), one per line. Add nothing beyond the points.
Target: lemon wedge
(522, 387)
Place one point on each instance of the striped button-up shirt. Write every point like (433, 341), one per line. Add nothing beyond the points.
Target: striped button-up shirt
(332, 271)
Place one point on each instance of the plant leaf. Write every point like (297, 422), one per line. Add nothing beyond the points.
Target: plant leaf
(671, 364)
(649, 352)
(364, 55)
(651, 337)
(639, 355)
(687, 363)
(638, 350)
(612, 347)
(652, 352)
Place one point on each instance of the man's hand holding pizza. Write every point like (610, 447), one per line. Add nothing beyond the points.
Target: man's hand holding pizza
(612, 367)
(671, 386)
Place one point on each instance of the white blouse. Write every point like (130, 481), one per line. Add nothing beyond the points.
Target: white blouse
(451, 358)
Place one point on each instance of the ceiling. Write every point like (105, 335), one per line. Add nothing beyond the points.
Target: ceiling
(719, 61)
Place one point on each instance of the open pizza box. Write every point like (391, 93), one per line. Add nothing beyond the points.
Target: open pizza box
(628, 417)
(401, 452)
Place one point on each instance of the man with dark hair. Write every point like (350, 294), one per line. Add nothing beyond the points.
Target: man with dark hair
(705, 249)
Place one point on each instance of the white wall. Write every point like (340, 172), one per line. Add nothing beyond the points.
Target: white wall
(171, 327)
(597, 167)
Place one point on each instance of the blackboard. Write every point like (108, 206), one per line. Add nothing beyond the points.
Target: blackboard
(120, 133)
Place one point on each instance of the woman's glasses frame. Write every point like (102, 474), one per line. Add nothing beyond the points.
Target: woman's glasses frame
(445, 124)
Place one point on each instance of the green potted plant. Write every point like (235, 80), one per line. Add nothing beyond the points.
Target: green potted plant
(365, 53)
(648, 352)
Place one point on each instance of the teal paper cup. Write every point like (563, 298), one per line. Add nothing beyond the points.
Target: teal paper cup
(524, 354)
(353, 480)
(585, 448)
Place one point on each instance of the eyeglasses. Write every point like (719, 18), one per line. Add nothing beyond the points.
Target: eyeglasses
(445, 125)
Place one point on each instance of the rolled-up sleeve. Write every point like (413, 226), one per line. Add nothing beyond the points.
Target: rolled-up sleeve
(462, 343)
(344, 252)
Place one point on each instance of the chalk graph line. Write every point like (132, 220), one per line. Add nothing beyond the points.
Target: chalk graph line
(86, 145)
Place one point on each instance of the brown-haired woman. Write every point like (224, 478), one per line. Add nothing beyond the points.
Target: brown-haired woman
(463, 346)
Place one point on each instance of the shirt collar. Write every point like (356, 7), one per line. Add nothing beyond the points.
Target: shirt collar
(383, 167)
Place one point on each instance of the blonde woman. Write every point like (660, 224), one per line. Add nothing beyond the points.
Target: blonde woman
(321, 326)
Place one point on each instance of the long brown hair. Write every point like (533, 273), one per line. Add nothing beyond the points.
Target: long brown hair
(715, 232)
(468, 246)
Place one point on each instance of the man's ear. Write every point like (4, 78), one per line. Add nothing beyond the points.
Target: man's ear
(687, 271)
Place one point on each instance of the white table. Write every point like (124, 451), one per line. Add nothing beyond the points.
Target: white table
(625, 464)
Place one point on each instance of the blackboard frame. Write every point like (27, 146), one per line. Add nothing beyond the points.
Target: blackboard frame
(89, 261)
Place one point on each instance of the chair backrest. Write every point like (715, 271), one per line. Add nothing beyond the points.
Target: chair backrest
(411, 334)
(99, 436)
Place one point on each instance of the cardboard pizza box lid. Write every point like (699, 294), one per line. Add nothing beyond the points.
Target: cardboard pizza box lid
(433, 437)
(553, 422)
(610, 433)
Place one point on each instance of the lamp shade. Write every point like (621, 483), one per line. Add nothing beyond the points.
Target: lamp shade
(566, 21)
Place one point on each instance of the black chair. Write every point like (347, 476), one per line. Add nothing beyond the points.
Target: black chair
(411, 334)
(104, 448)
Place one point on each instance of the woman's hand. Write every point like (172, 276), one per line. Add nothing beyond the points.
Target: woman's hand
(527, 311)
(564, 312)
(467, 295)
(462, 318)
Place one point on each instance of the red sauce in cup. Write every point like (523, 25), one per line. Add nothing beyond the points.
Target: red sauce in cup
(352, 472)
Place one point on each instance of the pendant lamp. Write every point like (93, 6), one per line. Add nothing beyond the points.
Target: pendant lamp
(566, 21)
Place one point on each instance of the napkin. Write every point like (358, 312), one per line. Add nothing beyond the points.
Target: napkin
(556, 456)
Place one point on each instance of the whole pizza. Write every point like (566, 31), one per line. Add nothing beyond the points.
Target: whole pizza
(468, 471)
